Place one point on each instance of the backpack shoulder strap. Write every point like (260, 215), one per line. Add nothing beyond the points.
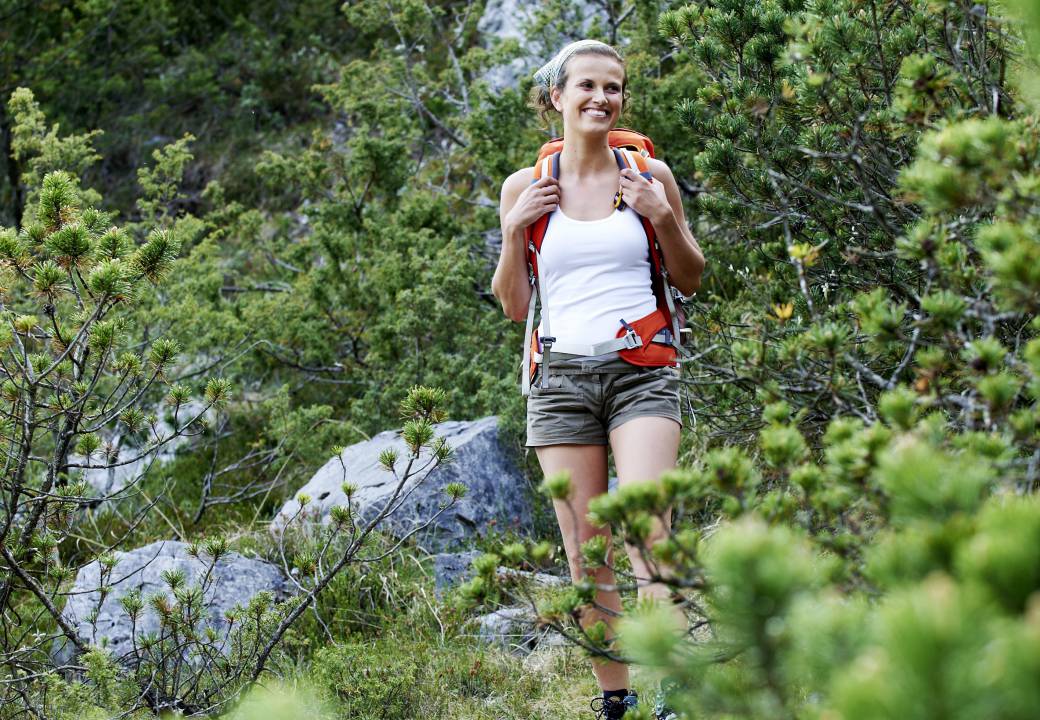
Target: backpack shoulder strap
(628, 159)
(662, 286)
(547, 166)
(634, 160)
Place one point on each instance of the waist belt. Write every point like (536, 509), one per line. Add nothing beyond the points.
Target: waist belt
(625, 342)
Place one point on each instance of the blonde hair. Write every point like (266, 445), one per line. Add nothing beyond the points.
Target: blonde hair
(540, 97)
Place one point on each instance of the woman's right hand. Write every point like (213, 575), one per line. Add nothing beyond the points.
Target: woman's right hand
(536, 200)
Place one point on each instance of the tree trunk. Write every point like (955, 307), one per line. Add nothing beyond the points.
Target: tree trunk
(14, 175)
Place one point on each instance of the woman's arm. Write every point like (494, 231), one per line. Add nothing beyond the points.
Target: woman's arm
(521, 204)
(661, 203)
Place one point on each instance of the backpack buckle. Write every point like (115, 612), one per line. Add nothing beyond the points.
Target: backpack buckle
(632, 340)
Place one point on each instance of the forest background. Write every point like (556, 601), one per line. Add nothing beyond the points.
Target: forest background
(288, 213)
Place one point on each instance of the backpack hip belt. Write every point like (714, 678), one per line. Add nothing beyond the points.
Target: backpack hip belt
(629, 341)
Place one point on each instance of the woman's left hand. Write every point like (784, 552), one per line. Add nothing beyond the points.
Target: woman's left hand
(645, 197)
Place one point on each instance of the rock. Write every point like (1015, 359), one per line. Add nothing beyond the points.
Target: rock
(505, 20)
(539, 579)
(452, 569)
(515, 628)
(235, 580)
(496, 491)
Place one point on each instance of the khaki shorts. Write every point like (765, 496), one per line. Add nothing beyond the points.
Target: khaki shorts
(586, 399)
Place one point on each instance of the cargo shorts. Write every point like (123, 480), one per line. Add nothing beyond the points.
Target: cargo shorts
(586, 399)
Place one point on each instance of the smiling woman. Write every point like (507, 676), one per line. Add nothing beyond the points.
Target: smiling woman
(603, 223)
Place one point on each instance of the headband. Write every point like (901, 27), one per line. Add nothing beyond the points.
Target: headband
(549, 74)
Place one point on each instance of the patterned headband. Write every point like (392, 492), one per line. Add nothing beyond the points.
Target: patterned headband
(549, 74)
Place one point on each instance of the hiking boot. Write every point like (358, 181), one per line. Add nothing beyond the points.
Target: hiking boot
(611, 708)
(661, 709)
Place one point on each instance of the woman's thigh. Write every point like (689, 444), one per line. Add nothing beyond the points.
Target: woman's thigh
(644, 447)
(587, 465)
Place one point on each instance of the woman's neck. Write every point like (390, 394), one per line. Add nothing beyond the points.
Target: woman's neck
(586, 155)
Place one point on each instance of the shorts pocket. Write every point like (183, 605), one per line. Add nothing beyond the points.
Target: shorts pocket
(556, 385)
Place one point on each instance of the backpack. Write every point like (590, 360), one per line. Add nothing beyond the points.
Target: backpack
(651, 341)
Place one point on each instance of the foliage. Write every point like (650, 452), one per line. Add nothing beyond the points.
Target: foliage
(856, 519)
(234, 74)
(374, 678)
(68, 382)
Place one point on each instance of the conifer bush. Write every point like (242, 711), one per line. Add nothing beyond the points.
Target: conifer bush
(76, 382)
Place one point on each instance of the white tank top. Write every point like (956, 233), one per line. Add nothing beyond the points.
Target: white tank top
(595, 272)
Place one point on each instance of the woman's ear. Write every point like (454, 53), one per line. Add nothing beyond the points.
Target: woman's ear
(554, 97)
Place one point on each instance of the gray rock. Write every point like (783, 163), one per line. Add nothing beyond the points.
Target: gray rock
(496, 492)
(451, 569)
(505, 20)
(235, 580)
(516, 629)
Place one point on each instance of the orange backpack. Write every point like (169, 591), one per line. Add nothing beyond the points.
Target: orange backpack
(651, 341)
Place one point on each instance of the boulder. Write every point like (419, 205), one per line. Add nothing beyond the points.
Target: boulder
(452, 569)
(496, 491)
(516, 629)
(235, 580)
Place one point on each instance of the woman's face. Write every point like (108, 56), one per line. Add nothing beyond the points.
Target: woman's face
(591, 99)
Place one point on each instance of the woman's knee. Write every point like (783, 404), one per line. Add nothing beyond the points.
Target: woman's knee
(576, 557)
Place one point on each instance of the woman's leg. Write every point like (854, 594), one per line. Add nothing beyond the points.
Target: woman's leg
(644, 447)
(587, 465)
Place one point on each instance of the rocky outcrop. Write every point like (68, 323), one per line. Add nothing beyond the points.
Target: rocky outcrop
(235, 580)
(505, 20)
(502, 20)
(496, 491)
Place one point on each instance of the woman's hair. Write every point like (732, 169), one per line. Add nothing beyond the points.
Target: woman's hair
(540, 98)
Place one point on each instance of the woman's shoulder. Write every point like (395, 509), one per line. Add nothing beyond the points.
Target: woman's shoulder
(658, 168)
(521, 178)
(515, 183)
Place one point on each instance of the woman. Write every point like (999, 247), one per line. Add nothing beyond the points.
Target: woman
(595, 267)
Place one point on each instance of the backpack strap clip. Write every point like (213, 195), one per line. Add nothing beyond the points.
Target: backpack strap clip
(631, 337)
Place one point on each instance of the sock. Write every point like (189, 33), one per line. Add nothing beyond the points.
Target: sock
(618, 695)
